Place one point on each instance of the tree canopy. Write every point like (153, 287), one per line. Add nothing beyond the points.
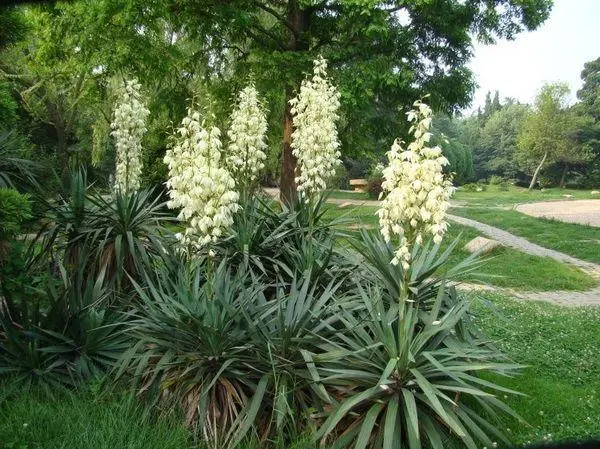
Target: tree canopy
(383, 54)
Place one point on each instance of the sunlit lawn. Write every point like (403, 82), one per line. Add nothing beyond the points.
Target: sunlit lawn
(559, 346)
(495, 196)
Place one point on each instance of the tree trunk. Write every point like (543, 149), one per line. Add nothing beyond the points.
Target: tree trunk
(537, 171)
(564, 176)
(298, 21)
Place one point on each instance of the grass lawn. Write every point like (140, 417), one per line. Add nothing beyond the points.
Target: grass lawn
(559, 345)
(504, 267)
(81, 420)
(493, 196)
(348, 195)
(576, 240)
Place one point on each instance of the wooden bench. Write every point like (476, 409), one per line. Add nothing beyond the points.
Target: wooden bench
(359, 185)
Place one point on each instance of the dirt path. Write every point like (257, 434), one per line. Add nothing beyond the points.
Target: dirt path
(586, 212)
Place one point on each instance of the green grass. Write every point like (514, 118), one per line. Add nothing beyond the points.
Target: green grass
(576, 240)
(348, 195)
(510, 268)
(493, 196)
(82, 419)
(504, 267)
(559, 345)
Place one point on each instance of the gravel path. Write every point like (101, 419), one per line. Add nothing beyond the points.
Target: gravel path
(586, 212)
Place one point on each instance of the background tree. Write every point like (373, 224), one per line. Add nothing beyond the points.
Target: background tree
(497, 143)
(547, 133)
(384, 54)
(589, 94)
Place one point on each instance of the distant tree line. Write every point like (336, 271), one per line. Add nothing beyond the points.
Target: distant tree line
(547, 143)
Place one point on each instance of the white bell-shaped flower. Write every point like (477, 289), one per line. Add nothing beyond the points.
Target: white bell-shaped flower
(128, 129)
(247, 137)
(199, 183)
(416, 192)
(315, 140)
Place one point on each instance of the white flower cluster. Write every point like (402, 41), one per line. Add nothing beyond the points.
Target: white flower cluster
(199, 183)
(315, 140)
(128, 128)
(416, 191)
(247, 137)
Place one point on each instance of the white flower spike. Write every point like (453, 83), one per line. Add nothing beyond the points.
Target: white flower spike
(247, 137)
(315, 139)
(199, 184)
(417, 193)
(128, 128)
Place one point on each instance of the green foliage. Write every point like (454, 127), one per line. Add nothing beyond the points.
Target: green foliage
(445, 134)
(473, 187)
(403, 378)
(497, 143)
(75, 51)
(13, 26)
(15, 210)
(270, 240)
(589, 94)
(120, 232)
(60, 336)
(545, 136)
(13, 167)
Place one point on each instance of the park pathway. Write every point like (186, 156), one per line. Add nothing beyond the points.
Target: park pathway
(564, 298)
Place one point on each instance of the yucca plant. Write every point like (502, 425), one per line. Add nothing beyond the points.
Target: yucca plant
(276, 240)
(62, 335)
(257, 238)
(296, 320)
(125, 232)
(63, 234)
(395, 379)
(193, 351)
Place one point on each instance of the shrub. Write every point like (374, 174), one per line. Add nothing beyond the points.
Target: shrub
(15, 210)
(504, 186)
(472, 187)
(495, 180)
(417, 382)
(114, 234)
(61, 336)
(374, 181)
(227, 354)
(340, 180)
(273, 241)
